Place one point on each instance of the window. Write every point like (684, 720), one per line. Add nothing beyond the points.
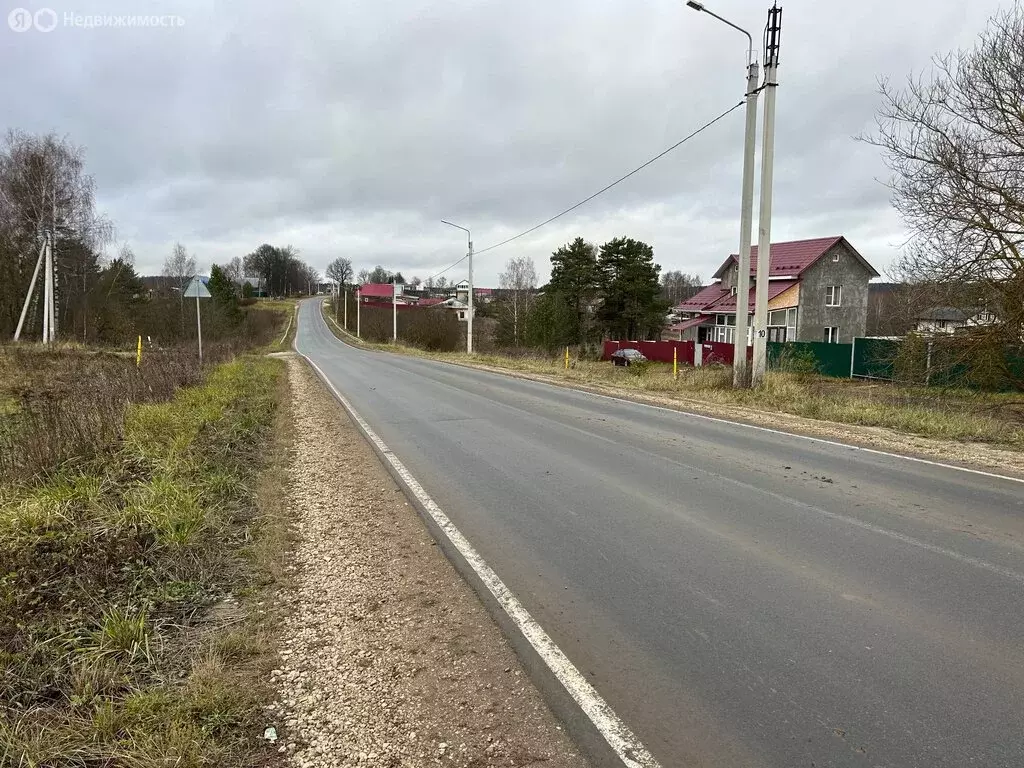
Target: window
(833, 296)
(832, 335)
(835, 258)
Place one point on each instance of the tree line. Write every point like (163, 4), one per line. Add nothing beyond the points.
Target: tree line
(594, 292)
(45, 192)
(615, 290)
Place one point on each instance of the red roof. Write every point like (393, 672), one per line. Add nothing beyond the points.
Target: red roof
(715, 298)
(376, 290)
(728, 304)
(430, 302)
(793, 257)
(707, 296)
(692, 322)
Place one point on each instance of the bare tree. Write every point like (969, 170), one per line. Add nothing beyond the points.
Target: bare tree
(340, 271)
(518, 283)
(954, 141)
(233, 272)
(44, 190)
(678, 286)
(180, 266)
(364, 276)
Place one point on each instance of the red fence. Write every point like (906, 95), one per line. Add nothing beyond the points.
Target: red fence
(661, 351)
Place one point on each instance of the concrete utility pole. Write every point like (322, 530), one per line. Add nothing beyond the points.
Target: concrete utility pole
(740, 373)
(47, 290)
(359, 312)
(31, 290)
(469, 299)
(772, 37)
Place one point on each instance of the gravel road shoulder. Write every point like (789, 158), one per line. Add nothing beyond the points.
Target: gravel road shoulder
(388, 658)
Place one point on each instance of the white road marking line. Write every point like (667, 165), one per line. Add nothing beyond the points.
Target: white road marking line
(802, 437)
(620, 738)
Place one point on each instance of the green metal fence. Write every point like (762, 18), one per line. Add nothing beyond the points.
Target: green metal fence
(874, 358)
(810, 357)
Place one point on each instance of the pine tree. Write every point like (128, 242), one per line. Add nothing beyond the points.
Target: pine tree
(631, 307)
(574, 280)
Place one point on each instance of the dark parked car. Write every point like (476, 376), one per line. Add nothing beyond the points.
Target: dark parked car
(627, 357)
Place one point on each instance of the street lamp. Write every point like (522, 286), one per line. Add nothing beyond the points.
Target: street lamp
(469, 318)
(740, 373)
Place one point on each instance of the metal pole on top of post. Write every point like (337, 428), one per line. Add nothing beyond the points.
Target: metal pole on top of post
(772, 37)
(197, 289)
(469, 298)
(741, 377)
(199, 330)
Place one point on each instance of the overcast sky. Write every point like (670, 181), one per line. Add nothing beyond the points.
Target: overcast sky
(350, 128)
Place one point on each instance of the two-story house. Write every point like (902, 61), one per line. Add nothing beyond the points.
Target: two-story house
(817, 291)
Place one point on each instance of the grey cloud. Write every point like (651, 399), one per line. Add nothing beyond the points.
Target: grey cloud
(351, 128)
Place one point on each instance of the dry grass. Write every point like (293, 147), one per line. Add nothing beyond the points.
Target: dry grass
(947, 414)
(944, 414)
(129, 628)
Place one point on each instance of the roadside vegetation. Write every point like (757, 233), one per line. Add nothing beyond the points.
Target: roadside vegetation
(946, 414)
(137, 540)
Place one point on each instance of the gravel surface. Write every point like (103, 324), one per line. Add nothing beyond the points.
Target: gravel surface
(388, 658)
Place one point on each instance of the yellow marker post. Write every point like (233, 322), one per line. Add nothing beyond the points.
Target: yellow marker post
(567, 358)
(675, 364)
(138, 353)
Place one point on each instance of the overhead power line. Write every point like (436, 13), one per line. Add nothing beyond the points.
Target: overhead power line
(601, 191)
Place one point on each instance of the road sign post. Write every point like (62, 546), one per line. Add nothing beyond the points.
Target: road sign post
(197, 288)
(398, 289)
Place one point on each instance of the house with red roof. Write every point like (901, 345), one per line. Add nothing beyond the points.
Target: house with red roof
(817, 291)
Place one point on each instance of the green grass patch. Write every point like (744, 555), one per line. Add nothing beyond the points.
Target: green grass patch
(113, 569)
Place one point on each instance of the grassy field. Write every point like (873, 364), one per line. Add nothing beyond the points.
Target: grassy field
(134, 620)
(926, 411)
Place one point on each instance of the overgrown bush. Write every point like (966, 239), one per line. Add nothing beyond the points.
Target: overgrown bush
(797, 361)
(639, 368)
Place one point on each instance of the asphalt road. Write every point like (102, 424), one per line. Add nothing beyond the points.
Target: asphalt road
(740, 598)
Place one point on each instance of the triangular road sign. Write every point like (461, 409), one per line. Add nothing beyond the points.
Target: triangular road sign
(196, 290)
